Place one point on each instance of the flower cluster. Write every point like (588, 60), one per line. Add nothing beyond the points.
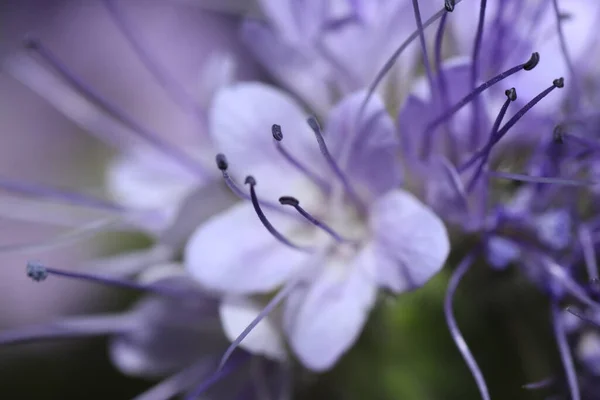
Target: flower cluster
(301, 205)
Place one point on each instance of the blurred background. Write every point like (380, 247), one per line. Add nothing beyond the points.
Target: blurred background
(406, 353)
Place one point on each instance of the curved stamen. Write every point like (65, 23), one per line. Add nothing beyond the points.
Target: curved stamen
(39, 272)
(223, 166)
(392, 60)
(263, 218)
(148, 136)
(557, 83)
(458, 338)
(292, 201)
(511, 95)
(417, 12)
(565, 352)
(430, 128)
(314, 125)
(48, 192)
(170, 85)
(278, 136)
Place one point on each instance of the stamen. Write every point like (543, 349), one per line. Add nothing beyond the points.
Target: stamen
(429, 129)
(449, 5)
(278, 136)
(170, 85)
(273, 303)
(477, 44)
(292, 201)
(511, 95)
(539, 179)
(457, 276)
(417, 12)
(78, 199)
(565, 352)
(557, 83)
(312, 122)
(150, 137)
(582, 317)
(564, 50)
(392, 60)
(39, 272)
(223, 165)
(263, 218)
(68, 328)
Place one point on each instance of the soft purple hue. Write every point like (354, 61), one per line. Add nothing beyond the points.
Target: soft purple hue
(321, 50)
(396, 242)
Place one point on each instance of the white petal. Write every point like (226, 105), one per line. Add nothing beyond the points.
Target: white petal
(237, 313)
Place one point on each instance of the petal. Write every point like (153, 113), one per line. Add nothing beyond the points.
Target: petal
(232, 252)
(241, 119)
(146, 179)
(301, 72)
(367, 148)
(330, 316)
(409, 240)
(237, 313)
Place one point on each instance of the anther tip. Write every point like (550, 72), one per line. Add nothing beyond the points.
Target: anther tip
(559, 83)
(511, 94)
(276, 131)
(449, 5)
(250, 180)
(36, 271)
(289, 200)
(222, 162)
(31, 42)
(532, 62)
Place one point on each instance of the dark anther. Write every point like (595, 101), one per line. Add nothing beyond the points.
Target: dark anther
(559, 83)
(449, 5)
(222, 162)
(250, 180)
(533, 61)
(511, 94)
(289, 200)
(31, 42)
(276, 131)
(558, 134)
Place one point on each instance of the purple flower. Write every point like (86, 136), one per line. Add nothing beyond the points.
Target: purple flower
(321, 50)
(361, 230)
(173, 334)
(513, 29)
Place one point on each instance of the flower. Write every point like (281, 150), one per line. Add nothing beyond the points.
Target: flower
(361, 230)
(323, 51)
(172, 334)
(158, 179)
